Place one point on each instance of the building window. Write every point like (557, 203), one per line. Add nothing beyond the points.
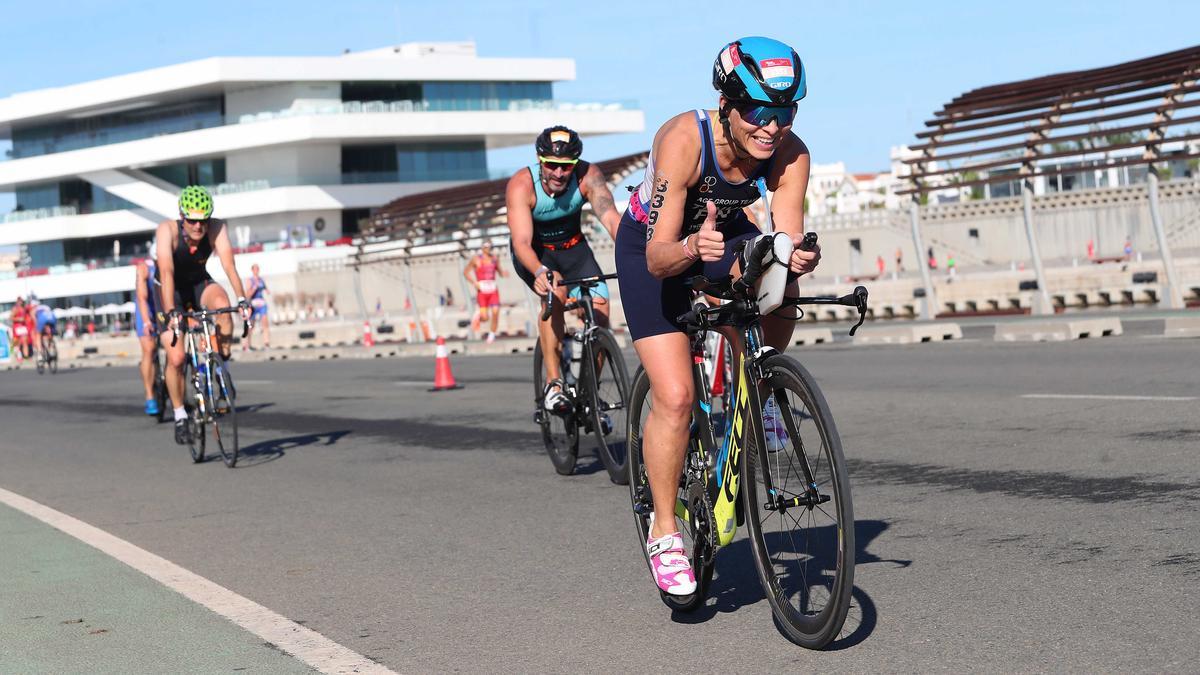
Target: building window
(414, 162)
(203, 172)
(118, 127)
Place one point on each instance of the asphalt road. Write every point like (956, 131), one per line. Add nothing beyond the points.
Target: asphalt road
(996, 532)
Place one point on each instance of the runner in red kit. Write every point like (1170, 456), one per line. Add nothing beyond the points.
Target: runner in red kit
(485, 267)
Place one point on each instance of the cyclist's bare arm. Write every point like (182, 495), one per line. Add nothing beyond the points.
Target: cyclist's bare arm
(595, 191)
(789, 181)
(520, 200)
(676, 165)
(224, 250)
(165, 241)
(469, 272)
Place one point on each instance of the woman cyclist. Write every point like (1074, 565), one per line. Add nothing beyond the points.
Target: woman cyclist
(687, 218)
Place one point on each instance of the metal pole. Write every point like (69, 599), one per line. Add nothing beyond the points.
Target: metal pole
(914, 212)
(358, 292)
(1043, 305)
(412, 301)
(1174, 298)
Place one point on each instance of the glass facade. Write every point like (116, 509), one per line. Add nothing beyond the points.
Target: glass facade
(202, 172)
(449, 96)
(85, 197)
(117, 127)
(97, 251)
(411, 162)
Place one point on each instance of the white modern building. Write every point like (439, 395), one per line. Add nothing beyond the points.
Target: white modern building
(295, 149)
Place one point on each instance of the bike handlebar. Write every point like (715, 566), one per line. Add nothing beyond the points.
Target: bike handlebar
(206, 315)
(548, 299)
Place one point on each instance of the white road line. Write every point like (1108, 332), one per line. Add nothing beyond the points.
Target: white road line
(1104, 397)
(303, 643)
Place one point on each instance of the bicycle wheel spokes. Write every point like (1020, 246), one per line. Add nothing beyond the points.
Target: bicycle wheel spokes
(610, 411)
(802, 530)
(194, 404)
(224, 419)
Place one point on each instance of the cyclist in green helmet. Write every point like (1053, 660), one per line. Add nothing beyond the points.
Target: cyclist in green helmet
(184, 246)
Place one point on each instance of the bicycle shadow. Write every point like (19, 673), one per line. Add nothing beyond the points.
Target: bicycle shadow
(253, 407)
(263, 452)
(735, 583)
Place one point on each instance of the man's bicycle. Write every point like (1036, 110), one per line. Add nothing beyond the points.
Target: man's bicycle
(47, 355)
(796, 501)
(594, 381)
(209, 394)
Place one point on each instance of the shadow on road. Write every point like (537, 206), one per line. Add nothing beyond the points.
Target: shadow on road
(253, 407)
(735, 584)
(269, 451)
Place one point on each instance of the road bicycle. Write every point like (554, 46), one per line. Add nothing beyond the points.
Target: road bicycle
(47, 355)
(209, 394)
(595, 382)
(795, 501)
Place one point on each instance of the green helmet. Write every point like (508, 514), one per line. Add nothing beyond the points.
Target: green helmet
(195, 203)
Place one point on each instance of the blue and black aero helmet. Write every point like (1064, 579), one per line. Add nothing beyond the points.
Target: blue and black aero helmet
(759, 69)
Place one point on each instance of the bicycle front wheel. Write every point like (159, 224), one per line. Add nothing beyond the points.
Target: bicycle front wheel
(800, 516)
(690, 516)
(224, 418)
(192, 402)
(609, 412)
(560, 432)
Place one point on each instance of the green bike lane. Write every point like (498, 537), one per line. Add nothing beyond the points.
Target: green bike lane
(67, 607)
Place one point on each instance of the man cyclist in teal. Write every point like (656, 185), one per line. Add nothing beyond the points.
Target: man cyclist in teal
(687, 218)
(545, 203)
(184, 246)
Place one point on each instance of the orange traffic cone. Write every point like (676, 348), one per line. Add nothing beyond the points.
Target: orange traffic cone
(368, 339)
(443, 379)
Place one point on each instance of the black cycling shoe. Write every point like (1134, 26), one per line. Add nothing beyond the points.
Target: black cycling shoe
(183, 432)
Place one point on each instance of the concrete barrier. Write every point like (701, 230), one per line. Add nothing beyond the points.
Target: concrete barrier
(1056, 330)
(812, 336)
(1182, 327)
(908, 333)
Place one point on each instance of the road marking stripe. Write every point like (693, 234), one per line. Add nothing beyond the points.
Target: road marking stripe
(303, 643)
(1104, 397)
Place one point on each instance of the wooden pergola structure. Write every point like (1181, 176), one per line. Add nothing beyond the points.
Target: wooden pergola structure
(1139, 113)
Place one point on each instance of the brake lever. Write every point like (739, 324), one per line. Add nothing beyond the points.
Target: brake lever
(860, 303)
(549, 306)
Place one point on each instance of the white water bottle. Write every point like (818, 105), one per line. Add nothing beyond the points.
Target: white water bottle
(768, 291)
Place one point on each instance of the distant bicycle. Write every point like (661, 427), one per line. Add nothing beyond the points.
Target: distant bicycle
(595, 383)
(209, 394)
(795, 501)
(47, 355)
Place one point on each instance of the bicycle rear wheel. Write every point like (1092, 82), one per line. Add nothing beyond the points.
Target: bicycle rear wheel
(53, 357)
(560, 432)
(224, 424)
(692, 522)
(607, 402)
(801, 534)
(195, 412)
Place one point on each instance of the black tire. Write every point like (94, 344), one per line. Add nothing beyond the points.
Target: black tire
(194, 413)
(608, 395)
(560, 433)
(53, 357)
(224, 424)
(161, 396)
(804, 554)
(639, 493)
(40, 361)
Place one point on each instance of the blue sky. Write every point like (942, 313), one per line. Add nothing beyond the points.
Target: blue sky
(876, 70)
